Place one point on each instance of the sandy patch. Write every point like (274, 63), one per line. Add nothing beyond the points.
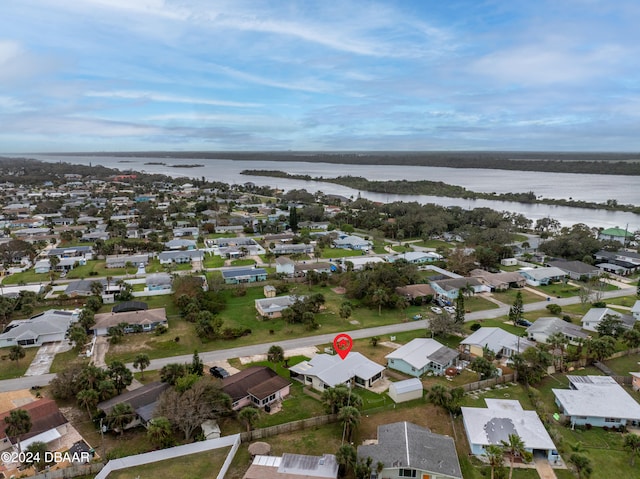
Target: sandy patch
(308, 352)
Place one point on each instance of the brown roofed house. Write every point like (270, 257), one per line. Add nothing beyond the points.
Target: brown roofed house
(258, 386)
(146, 320)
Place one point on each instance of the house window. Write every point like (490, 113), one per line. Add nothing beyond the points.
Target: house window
(309, 379)
(360, 381)
(611, 419)
(407, 473)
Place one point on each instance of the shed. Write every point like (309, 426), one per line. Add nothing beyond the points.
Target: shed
(406, 390)
(509, 262)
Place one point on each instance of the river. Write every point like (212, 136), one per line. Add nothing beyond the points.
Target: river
(597, 188)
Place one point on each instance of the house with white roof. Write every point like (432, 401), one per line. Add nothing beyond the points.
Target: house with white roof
(352, 242)
(270, 308)
(502, 417)
(594, 316)
(325, 371)
(420, 356)
(542, 328)
(597, 400)
(293, 466)
(635, 310)
(416, 257)
(542, 276)
(48, 327)
(284, 265)
(498, 340)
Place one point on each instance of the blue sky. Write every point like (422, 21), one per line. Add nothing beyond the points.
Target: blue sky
(119, 75)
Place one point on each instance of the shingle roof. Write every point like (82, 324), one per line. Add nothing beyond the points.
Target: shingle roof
(150, 316)
(496, 338)
(44, 414)
(551, 325)
(138, 398)
(407, 445)
(238, 385)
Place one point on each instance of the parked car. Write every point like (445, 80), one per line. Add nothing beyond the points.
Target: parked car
(450, 309)
(436, 310)
(218, 372)
(524, 322)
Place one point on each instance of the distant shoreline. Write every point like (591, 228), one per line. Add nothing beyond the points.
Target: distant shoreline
(627, 164)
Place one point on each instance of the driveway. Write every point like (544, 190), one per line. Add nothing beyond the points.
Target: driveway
(100, 350)
(44, 357)
(544, 468)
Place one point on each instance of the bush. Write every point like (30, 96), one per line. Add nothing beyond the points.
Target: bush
(566, 318)
(554, 308)
(599, 304)
(161, 329)
(234, 333)
(475, 326)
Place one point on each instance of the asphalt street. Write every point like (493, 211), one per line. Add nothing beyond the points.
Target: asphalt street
(223, 354)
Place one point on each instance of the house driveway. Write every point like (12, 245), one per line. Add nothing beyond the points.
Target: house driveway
(544, 468)
(100, 350)
(44, 357)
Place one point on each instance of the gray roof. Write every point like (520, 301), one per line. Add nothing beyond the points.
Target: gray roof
(539, 274)
(407, 385)
(235, 273)
(192, 253)
(577, 267)
(50, 322)
(496, 338)
(551, 325)
(407, 445)
(420, 352)
(314, 466)
(332, 370)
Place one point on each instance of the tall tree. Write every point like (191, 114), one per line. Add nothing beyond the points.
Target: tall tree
(495, 457)
(350, 418)
(120, 375)
(17, 423)
(16, 353)
(197, 366)
(293, 219)
(141, 362)
(159, 432)
(275, 354)
(249, 416)
(346, 457)
(379, 297)
(120, 416)
(337, 397)
(632, 444)
(88, 399)
(460, 312)
(514, 448)
(582, 465)
(516, 311)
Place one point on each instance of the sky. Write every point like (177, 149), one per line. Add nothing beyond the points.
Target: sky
(126, 75)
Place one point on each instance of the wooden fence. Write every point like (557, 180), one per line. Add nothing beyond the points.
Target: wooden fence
(288, 427)
(488, 383)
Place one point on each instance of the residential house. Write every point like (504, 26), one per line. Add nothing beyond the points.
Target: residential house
(352, 242)
(83, 287)
(293, 466)
(635, 310)
(158, 282)
(269, 291)
(180, 244)
(577, 270)
(594, 316)
(64, 264)
(244, 275)
(416, 292)
(635, 381)
(497, 340)
(180, 257)
(597, 400)
(499, 281)
(120, 261)
(143, 400)
(186, 231)
(421, 356)
(448, 289)
(270, 308)
(544, 327)
(360, 262)
(615, 234)
(325, 371)
(257, 386)
(48, 327)
(301, 269)
(85, 252)
(407, 390)
(408, 450)
(542, 276)
(618, 262)
(48, 425)
(144, 321)
(416, 257)
(500, 419)
(292, 248)
(285, 266)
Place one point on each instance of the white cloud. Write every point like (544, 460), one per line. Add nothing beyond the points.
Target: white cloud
(161, 97)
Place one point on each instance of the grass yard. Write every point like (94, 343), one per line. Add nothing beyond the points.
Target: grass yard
(243, 262)
(434, 244)
(625, 365)
(339, 253)
(15, 369)
(402, 248)
(203, 465)
(509, 296)
(213, 261)
(28, 276)
(502, 322)
(559, 290)
(626, 301)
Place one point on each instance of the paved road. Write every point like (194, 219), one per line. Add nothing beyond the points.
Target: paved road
(211, 356)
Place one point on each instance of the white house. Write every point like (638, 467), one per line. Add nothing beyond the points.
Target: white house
(325, 371)
(145, 320)
(501, 418)
(422, 355)
(285, 266)
(498, 340)
(272, 307)
(594, 316)
(542, 276)
(48, 327)
(542, 328)
(598, 401)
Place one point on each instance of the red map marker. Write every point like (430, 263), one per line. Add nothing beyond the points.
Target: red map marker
(342, 344)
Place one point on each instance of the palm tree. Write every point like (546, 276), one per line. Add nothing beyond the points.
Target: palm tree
(350, 417)
(249, 417)
(558, 342)
(159, 432)
(54, 261)
(514, 447)
(88, 398)
(16, 353)
(141, 362)
(379, 297)
(632, 444)
(438, 395)
(346, 457)
(582, 465)
(121, 415)
(96, 288)
(495, 456)
(18, 423)
(275, 354)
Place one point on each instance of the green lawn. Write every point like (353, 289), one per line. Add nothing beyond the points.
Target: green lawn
(243, 262)
(402, 248)
(509, 296)
(213, 261)
(339, 253)
(203, 465)
(28, 276)
(15, 369)
(434, 244)
(559, 290)
(625, 365)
